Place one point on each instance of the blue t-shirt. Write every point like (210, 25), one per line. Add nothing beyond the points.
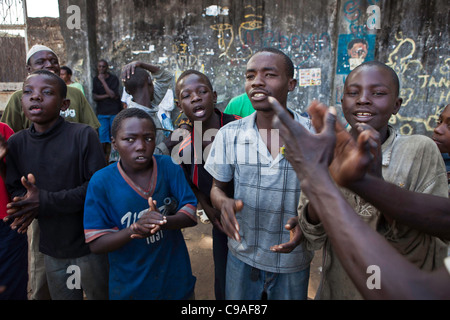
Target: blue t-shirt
(446, 157)
(157, 267)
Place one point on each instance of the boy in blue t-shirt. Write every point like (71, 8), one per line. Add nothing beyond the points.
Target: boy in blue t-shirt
(147, 254)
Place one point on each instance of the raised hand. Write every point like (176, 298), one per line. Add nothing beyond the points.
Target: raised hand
(128, 70)
(309, 154)
(352, 159)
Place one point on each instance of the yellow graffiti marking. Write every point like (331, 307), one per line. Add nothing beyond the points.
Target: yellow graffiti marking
(226, 33)
(401, 60)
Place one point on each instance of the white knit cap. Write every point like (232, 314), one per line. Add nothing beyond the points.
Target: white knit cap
(36, 48)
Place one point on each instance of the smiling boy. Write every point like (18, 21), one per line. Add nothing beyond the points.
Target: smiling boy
(47, 178)
(371, 97)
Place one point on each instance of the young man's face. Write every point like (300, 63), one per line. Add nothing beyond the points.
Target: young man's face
(64, 75)
(196, 98)
(135, 142)
(266, 75)
(102, 67)
(44, 60)
(42, 101)
(370, 96)
(441, 134)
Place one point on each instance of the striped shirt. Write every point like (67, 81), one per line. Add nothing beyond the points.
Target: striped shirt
(269, 188)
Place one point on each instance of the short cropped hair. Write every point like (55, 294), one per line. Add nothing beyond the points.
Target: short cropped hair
(136, 80)
(68, 70)
(379, 64)
(103, 60)
(288, 62)
(62, 85)
(189, 72)
(126, 114)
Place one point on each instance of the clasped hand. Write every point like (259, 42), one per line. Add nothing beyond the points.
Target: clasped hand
(22, 210)
(149, 223)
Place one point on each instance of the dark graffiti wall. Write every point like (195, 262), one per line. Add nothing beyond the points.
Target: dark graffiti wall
(325, 39)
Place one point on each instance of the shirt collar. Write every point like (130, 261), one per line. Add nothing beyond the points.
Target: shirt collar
(297, 117)
(134, 104)
(253, 137)
(55, 127)
(387, 146)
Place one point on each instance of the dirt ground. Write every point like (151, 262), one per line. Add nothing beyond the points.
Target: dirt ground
(199, 242)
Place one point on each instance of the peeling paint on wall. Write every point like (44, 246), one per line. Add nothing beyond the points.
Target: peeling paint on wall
(218, 38)
(216, 11)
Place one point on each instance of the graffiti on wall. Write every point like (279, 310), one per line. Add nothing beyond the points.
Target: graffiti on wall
(418, 87)
(355, 45)
(226, 35)
(251, 34)
(238, 43)
(353, 11)
(354, 51)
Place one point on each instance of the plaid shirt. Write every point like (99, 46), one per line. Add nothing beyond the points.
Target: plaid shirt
(269, 189)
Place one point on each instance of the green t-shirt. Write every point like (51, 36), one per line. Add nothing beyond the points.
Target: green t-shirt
(79, 111)
(240, 106)
(78, 86)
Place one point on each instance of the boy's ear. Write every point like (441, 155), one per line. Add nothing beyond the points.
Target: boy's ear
(215, 97)
(177, 103)
(65, 104)
(398, 104)
(113, 142)
(292, 84)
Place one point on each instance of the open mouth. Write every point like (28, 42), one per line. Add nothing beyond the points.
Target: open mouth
(199, 111)
(363, 116)
(259, 96)
(141, 159)
(35, 109)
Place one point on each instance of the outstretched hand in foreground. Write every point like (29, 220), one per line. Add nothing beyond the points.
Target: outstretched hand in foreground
(357, 246)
